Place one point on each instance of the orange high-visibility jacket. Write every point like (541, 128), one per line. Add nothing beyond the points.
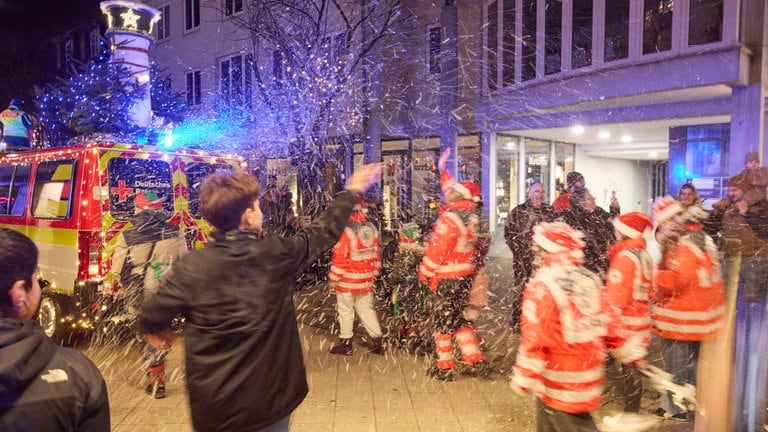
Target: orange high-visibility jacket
(356, 257)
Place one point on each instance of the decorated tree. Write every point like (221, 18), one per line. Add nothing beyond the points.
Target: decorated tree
(312, 78)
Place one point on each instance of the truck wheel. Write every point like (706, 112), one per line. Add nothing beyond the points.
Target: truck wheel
(49, 316)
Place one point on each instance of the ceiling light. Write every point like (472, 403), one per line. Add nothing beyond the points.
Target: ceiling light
(626, 138)
(577, 129)
(604, 134)
(653, 154)
(510, 144)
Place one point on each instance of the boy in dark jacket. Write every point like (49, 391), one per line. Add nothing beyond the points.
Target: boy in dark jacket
(245, 369)
(43, 387)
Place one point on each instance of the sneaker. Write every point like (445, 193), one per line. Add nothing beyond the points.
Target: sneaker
(343, 348)
(627, 422)
(660, 412)
(440, 374)
(157, 393)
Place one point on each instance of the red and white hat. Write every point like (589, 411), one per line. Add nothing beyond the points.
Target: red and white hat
(360, 205)
(665, 208)
(558, 237)
(633, 224)
(468, 190)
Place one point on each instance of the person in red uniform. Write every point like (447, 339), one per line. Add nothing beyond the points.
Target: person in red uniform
(574, 180)
(448, 268)
(567, 328)
(688, 299)
(356, 264)
(629, 277)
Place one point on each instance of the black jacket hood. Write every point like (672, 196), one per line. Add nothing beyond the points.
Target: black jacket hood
(25, 351)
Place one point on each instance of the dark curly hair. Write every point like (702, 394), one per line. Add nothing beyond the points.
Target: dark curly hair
(18, 261)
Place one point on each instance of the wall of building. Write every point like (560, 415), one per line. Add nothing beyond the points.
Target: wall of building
(629, 179)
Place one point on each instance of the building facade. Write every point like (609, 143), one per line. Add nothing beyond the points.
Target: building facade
(638, 95)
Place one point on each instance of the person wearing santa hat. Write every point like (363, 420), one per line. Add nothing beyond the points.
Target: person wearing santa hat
(629, 276)
(566, 331)
(355, 266)
(688, 298)
(448, 268)
(143, 254)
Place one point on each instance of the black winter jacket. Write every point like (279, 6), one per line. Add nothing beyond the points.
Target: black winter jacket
(45, 387)
(244, 363)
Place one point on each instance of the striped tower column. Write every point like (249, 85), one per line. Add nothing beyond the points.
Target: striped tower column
(129, 29)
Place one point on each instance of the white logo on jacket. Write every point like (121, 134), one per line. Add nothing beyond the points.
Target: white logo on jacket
(54, 376)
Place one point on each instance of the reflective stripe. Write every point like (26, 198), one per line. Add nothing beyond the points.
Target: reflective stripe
(455, 267)
(574, 377)
(530, 363)
(689, 328)
(426, 271)
(360, 276)
(636, 321)
(354, 286)
(677, 315)
(572, 396)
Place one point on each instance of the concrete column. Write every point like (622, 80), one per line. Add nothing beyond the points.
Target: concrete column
(747, 125)
(449, 79)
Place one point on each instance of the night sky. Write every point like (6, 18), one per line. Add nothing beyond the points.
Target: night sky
(26, 29)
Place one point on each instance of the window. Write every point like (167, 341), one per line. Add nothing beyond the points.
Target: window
(508, 42)
(493, 45)
(52, 198)
(127, 176)
(617, 30)
(191, 14)
(705, 24)
(342, 43)
(196, 173)
(94, 43)
(553, 36)
(278, 61)
(164, 23)
(236, 80)
(528, 41)
(232, 7)
(194, 93)
(435, 35)
(13, 189)
(581, 51)
(657, 26)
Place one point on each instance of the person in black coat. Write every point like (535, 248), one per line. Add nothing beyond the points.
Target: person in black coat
(596, 225)
(244, 364)
(43, 387)
(518, 233)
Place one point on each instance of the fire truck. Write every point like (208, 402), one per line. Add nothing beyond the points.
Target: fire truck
(74, 202)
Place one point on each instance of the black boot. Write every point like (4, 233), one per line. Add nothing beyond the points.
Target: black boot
(156, 386)
(343, 348)
(378, 346)
(440, 374)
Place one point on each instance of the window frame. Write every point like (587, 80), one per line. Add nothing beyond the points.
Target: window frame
(191, 15)
(163, 27)
(39, 187)
(194, 88)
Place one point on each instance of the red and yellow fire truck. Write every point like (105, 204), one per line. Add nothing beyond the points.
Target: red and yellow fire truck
(74, 202)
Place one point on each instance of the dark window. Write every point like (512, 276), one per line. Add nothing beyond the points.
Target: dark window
(248, 75)
(528, 71)
(127, 176)
(435, 41)
(508, 42)
(164, 23)
(342, 43)
(278, 59)
(705, 24)
(194, 91)
(225, 81)
(493, 46)
(52, 198)
(617, 30)
(94, 43)
(13, 189)
(191, 14)
(657, 26)
(196, 173)
(236, 96)
(553, 37)
(581, 51)
(232, 6)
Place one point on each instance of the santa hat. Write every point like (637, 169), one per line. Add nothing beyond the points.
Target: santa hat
(559, 237)
(360, 205)
(633, 224)
(467, 190)
(148, 200)
(664, 208)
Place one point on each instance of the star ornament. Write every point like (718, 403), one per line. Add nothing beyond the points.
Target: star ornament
(130, 20)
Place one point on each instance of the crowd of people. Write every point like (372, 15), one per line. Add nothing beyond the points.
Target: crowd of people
(590, 294)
